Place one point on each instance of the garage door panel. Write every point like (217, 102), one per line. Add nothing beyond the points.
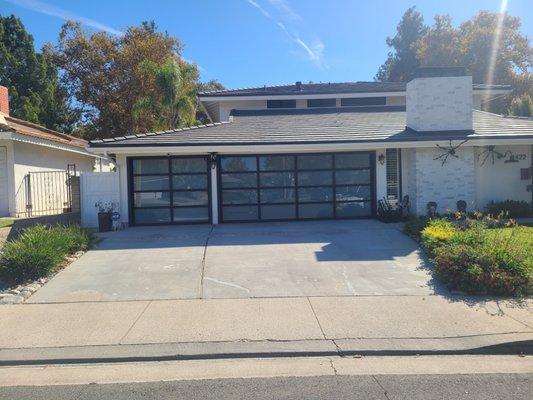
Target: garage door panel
(299, 186)
(168, 190)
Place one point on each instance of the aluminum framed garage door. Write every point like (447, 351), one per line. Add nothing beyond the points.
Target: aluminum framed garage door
(169, 190)
(296, 187)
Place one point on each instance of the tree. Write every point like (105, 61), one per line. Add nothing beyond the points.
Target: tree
(34, 92)
(522, 106)
(470, 45)
(402, 61)
(176, 82)
(116, 81)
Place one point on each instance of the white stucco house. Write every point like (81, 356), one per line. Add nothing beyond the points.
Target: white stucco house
(327, 151)
(27, 148)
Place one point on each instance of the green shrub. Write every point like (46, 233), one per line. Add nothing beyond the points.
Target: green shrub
(483, 261)
(414, 226)
(40, 251)
(437, 232)
(510, 208)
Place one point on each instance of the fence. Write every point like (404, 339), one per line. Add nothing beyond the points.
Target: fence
(47, 193)
(97, 186)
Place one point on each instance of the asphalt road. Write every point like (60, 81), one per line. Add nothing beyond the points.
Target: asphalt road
(386, 387)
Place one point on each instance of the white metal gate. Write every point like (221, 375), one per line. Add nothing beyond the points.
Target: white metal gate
(97, 186)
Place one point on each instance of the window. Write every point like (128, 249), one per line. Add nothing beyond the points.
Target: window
(393, 174)
(281, 103)
(363, 101)
(311, 103)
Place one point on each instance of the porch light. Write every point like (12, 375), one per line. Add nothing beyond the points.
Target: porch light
(213, 160)
(381, 159)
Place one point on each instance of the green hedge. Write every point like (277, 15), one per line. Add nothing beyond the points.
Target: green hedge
(472, 257)
(40, 251)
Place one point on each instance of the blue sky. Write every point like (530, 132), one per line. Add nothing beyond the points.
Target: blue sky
(255, 42)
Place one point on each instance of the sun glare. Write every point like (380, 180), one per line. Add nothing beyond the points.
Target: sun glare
(495, 46)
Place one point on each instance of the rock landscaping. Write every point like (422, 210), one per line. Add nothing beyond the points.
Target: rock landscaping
(29, 261)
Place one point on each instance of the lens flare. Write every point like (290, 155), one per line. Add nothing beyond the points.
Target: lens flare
(495, 46)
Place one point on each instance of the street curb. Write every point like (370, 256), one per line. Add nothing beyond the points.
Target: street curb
(510, 344)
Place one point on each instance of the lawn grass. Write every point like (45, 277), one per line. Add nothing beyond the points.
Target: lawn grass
(5, 222)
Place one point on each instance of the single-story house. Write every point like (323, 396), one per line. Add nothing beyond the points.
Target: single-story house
(27, 148)
(327, 151)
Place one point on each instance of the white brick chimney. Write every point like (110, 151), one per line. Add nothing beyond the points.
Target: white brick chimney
(439, 99)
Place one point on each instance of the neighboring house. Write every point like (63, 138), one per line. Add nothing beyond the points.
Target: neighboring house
(27, 148)
(326, 151)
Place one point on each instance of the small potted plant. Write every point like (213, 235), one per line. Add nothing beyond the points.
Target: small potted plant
(105, 215)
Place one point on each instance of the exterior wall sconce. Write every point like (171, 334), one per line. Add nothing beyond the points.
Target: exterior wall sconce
(213, 160)
(381, 159)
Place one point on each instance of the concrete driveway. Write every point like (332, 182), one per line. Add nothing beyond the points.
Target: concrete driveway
(316, 258)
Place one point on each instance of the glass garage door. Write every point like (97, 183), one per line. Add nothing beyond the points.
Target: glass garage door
(304, 186)
(169, 190)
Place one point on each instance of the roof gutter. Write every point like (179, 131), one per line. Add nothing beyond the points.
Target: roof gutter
(250, 148)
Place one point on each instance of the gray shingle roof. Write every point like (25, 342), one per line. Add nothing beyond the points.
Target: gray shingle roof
(326, 88)
(313, 125)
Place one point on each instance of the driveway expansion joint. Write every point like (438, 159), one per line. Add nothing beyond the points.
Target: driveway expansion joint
(135, 322)
(202, 272)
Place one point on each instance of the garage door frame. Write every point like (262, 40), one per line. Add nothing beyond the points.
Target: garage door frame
(373, 185)
(131, 192)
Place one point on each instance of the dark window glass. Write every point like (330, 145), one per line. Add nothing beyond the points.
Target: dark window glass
(152, 215)
(281, 103)
(315, 178)
(360, 209)
(151, 199)
(240, 213)
(186, 165)
(194, 198)
(322, 161)
(321, 103)
(306, 195)
(357, 160)
(238, 164)
(357, 177)
(352, 193)
(277, 195)
(151, 182)
(276, 163)
(191, 214)
(245, 196)
(286, 211)
(363, 101)
(238, 180)
(150, 166)
(181, 182)
(307, 211)
(276, 178)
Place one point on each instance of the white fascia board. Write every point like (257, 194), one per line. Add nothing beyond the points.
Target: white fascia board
(17, 137)
(332, 95)
(295, 148)
(301, 96)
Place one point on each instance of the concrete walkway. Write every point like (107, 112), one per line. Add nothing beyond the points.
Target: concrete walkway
(224, 326)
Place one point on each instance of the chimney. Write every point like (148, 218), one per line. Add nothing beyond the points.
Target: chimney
(439, 99)
(298, 86)
(4, 101)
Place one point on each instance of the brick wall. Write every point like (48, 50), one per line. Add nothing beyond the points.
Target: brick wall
(439, 104)
(4, 100)
(445, 184)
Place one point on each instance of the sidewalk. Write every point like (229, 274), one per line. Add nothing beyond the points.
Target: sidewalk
(174, 329)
